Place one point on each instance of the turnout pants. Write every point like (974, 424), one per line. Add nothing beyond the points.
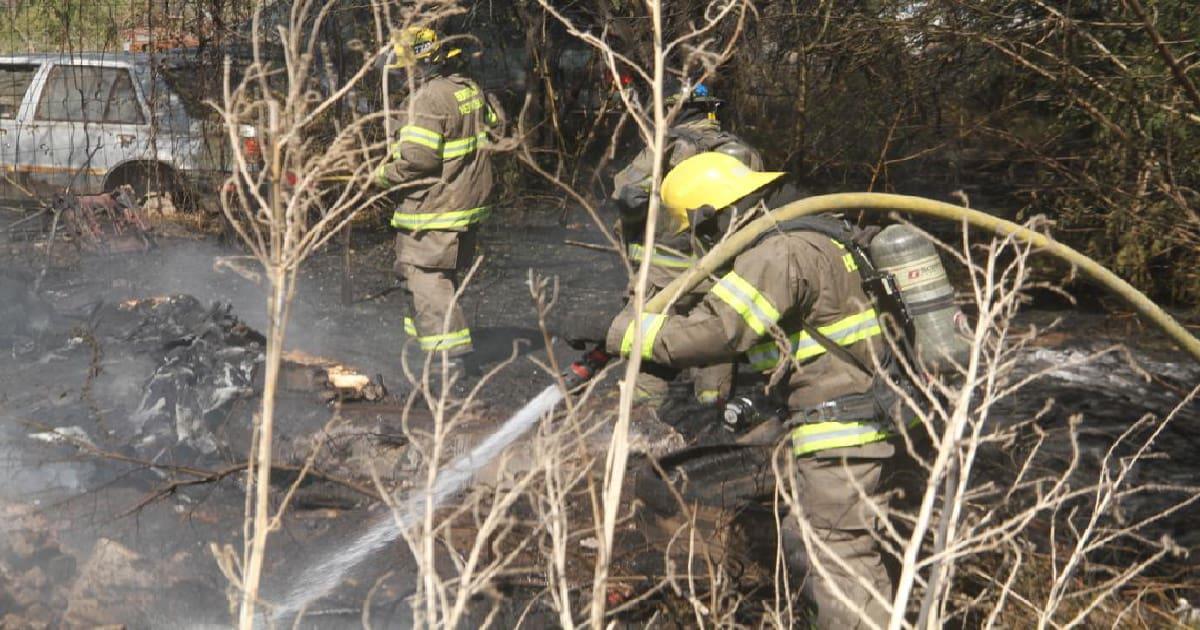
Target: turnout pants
(840, 500)
(843, 495)
(430, 263)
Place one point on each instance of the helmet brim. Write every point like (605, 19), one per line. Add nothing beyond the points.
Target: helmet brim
(427, 59)
(746, 184)
(730, 195)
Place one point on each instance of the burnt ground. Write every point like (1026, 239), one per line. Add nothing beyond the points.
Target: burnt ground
(83, 531)
(80, 383)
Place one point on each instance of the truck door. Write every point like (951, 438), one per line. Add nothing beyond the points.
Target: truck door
(88, 119)
(15, 80)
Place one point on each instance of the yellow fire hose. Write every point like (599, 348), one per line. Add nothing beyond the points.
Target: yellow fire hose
(879, 202)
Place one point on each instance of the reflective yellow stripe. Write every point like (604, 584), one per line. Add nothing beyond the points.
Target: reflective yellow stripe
(850, 330)
(651, 324)
(381, 178)
(394, 149)
(742, 297)
(420, 136)
(643, 395)
(465, 93)
(439, 220)
(660, 259)
(708, 396)
(459, 148)
(433, 343)
(448, 341)
(446, 149)
(847, 258)
(822, 436)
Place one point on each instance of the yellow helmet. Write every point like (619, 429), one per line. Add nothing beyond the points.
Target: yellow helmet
(418, 44)
(709, 179)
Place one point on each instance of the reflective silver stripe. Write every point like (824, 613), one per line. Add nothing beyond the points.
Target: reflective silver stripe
(419, 135)
(823, 436)
(459, 148)
(439, 220)
(447, 341)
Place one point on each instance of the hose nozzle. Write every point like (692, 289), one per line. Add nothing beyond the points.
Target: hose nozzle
(582, 370)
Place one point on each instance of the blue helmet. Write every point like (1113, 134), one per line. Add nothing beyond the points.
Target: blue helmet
(698, 94)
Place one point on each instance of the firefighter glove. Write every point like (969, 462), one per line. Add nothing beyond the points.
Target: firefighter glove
(634, 197)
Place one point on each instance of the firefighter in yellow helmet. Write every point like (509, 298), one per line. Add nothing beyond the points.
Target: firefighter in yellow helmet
(695, 129)
(802, 285)
(441, 168)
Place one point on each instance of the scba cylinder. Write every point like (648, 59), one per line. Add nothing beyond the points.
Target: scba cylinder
(927, 294)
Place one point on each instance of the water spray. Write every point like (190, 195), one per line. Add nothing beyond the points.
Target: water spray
(324, 576)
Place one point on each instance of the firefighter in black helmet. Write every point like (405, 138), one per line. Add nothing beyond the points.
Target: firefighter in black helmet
(696, 129)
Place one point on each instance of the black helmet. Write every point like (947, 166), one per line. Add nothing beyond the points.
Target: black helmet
(694, 94)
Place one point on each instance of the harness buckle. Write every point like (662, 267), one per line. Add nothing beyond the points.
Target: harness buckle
(824, 412)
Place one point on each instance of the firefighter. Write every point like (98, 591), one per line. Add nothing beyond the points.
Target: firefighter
(805, 286)
(439, 162)
(695, 129)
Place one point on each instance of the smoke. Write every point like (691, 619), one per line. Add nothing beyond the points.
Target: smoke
(329, 571)
(72, 379)
(370, 337)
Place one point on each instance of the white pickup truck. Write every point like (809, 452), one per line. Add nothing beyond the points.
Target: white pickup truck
(89, 122)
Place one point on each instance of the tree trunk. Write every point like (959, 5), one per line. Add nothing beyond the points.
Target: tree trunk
(260, 484)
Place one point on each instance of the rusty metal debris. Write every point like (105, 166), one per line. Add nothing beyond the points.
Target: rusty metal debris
(110, 223)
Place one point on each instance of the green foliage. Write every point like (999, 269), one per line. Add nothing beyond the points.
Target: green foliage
(54, 25)
(1063, 108)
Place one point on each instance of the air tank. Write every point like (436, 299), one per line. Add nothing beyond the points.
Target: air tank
(927, 294)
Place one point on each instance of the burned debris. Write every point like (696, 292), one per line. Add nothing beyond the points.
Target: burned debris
(206, 361)
(163, 377)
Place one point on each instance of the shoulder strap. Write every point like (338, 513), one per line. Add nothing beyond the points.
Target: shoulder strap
(879, 286)
(678, 133)
(836, 229)
(833, 348)
(722, 138)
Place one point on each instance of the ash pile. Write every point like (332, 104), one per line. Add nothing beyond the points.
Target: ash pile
(206, 360)
(168, 380)
(153, 376)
